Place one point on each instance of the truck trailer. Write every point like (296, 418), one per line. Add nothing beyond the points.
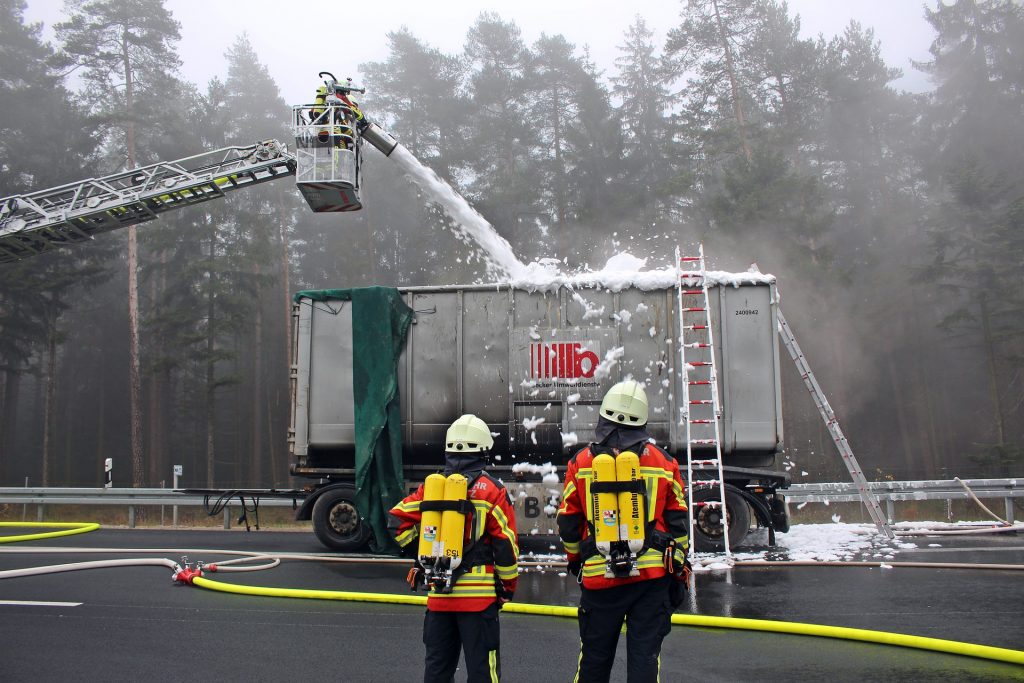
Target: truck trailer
(534, 364)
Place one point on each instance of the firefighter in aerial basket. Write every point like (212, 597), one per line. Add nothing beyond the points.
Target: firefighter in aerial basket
(461, 528)
(623, 523)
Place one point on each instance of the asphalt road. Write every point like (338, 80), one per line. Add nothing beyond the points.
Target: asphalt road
(133, 624)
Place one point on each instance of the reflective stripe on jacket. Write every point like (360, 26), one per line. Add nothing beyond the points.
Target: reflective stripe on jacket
(665, 505)
(493, 523)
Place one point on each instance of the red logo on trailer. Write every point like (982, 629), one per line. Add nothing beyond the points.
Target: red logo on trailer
(564, 360)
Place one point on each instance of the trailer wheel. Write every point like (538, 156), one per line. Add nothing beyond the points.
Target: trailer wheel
(336, 520)
(707, 520)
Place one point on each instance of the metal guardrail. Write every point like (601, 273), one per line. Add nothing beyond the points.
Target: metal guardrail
(889, 491)
(130, 498)
(893, 491)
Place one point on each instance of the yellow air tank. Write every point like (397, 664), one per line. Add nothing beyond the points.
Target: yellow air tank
(631, 509)
(605, 505)
(453, 523)
(430, 522)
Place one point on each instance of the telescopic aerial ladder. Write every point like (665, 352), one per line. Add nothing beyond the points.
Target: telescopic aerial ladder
(326, 165)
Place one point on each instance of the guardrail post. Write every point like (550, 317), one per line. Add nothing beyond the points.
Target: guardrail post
(227, 517)
(890, 510)
(1009, 509)
(39, 512)
(131, 516)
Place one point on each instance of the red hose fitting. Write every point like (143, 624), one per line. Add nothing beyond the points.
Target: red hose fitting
(187, 574)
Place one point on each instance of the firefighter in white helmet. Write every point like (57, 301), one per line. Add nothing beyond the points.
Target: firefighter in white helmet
(463, 603)
(646, 591)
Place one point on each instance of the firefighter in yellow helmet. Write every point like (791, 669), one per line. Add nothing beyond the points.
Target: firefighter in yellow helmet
(336, 124)
(464, 600)
(642, 587)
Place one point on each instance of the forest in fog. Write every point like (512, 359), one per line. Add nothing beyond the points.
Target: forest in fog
(894, 222)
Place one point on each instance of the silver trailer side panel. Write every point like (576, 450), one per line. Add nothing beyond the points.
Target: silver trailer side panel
(534, 366)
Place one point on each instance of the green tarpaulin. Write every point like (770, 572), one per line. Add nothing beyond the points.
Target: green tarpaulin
(380, 323)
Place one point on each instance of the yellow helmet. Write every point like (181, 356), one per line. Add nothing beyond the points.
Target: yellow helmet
(626, 403)
(468, 434)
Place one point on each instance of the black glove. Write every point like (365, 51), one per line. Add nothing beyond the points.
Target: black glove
(574, 567)
(683, 574)
(680, 584)
(502, 592)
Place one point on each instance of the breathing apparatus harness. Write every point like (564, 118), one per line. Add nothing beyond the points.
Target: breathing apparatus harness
(441, 570)
(620, 542)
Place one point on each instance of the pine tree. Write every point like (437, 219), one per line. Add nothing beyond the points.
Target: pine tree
(44, 141)
(651, 158)
(125, 49)
(977, 172)
(502, 134)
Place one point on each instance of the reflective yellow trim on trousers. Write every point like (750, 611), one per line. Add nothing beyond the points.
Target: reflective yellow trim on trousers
(492, 661)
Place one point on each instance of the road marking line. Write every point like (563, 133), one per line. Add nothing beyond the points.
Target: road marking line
(34, 603)
(960, 550)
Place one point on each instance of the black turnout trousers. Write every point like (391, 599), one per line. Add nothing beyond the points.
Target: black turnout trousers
(478, 635)
(647, 611)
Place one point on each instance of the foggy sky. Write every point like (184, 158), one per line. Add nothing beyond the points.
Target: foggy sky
(297, 40)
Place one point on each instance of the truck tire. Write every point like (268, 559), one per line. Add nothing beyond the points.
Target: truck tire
(707, 520)
(336, 520)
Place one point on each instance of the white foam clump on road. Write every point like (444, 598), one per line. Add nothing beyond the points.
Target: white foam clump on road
(806, 543)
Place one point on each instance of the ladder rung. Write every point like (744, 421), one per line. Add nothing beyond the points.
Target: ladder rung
(705, 482)
(690, 259)
(713, 461)
(694, 309)
(703, 442)
(701, 382)
(699, 363)
(701, 402)
(702, 422)
(692, 292)
(695, 327)
(697, 345)
(708, 504)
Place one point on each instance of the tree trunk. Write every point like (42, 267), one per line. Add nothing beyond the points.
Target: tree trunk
(737, 106)
(48, 396)
(12, 387)
(286, 286)
(134, 376)
(993, 382)
(256, 475)
(210, 346)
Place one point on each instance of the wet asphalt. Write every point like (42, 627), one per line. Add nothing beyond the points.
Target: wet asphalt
(134, 624)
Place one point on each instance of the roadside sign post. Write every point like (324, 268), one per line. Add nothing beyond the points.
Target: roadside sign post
(177, 473)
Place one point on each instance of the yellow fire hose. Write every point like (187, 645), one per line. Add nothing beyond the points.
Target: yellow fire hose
(695, 620)
(698, 620)
(66, 529)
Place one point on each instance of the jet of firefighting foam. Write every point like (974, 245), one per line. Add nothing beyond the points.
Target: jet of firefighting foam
(496, 249)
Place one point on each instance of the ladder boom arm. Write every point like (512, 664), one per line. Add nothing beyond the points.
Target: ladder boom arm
(33, 223)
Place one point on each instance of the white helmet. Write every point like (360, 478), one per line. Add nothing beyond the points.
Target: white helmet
(468, 434)
(626, 403)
